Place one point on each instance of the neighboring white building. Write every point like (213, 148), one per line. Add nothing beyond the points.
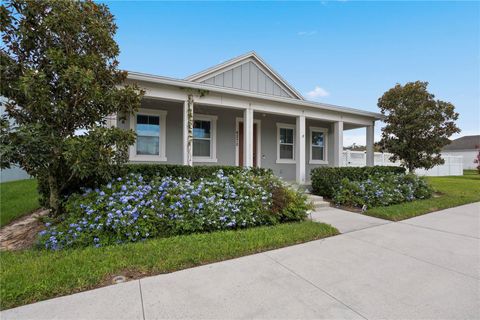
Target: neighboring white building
(245, 114)
(14, 173)
(467, 147)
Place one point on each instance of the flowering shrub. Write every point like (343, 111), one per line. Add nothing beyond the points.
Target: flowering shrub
(326, 180)
(382, 190)
(133, 209)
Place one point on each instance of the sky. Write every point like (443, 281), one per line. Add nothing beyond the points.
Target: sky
(346, 53)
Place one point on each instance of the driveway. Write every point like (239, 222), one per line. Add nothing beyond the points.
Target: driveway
(425, 267)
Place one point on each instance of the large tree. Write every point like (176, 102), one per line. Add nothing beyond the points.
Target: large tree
(59, 74)
(417, 125)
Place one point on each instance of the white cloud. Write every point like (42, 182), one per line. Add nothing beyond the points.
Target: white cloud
(317, 92)
(358, 136)
(307, 33)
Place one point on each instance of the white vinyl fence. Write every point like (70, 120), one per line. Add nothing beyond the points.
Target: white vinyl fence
(453, 165)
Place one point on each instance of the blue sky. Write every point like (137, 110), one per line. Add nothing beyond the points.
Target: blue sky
(343, 52)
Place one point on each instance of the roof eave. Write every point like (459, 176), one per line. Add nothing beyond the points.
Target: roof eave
(196, 85)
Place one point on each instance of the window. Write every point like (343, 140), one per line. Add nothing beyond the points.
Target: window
(286, 143)
(318, 145)
(204, 148)
(150, 129)
(148, 134)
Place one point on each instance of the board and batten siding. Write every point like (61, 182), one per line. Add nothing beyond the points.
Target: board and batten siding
(248, 76)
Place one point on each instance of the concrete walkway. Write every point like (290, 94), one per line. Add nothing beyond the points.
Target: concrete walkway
(423, 268)
(346, 221)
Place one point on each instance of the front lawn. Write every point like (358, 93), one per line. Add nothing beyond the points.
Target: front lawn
(31, 276)
(17, 199)
(452, 191)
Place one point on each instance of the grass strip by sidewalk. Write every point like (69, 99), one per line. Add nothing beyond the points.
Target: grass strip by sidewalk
(17, 198)
(31, 276)
(454, 191)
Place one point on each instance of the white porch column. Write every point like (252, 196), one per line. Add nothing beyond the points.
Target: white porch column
(248, 137)
(370, 142)
(300, 149)
(188, 132)
(337, 143)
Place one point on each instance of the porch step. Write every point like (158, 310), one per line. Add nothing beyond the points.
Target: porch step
(321, 204)
(314, 197)
(318, 201)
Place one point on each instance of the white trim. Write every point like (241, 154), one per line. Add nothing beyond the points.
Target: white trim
(337, 143)
(247, 57)
(186, 157)
(213, 137)
(325, 145)
(162, 114)
(259, 140)
(292, 102)
(370, 161)
(301, 136)
(285, 126)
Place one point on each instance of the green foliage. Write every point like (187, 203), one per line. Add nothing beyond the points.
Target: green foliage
(60, 74)
(326, 180)
(451, 191)
(382, 190)
(132, 208)
(31, 276)
(148, 172)
(417, 126)
(18, 198)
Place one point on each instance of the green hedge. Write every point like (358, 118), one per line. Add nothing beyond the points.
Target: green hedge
(147, 171)
(192, 172)
(326, 179)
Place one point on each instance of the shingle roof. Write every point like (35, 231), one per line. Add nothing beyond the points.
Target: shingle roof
(464, 143)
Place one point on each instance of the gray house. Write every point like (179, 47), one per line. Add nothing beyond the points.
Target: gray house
(244, 114)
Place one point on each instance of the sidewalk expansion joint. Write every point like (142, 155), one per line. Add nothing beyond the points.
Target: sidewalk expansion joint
(415, 258)
(141, 298)
(444, 231)
(315, 286)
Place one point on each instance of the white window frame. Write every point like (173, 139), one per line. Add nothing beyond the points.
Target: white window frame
(286, 126)
(213, 137)
(325, 145)
(162, 114)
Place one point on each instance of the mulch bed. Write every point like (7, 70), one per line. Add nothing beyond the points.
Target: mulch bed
(22, 233)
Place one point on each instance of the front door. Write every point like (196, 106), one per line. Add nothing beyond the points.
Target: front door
(240, 144)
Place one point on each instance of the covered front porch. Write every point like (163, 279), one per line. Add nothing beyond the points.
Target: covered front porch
(200, 133)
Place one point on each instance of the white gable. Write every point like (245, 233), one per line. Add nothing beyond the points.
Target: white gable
(248, 73)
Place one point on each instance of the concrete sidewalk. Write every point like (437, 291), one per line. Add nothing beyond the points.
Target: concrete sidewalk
(422, 268)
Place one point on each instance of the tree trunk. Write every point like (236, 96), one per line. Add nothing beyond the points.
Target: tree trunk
(411, 168)
(54, 199)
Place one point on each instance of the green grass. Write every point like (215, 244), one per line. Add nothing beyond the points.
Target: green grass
(454, 191)
(35, 275)
(17, 198)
